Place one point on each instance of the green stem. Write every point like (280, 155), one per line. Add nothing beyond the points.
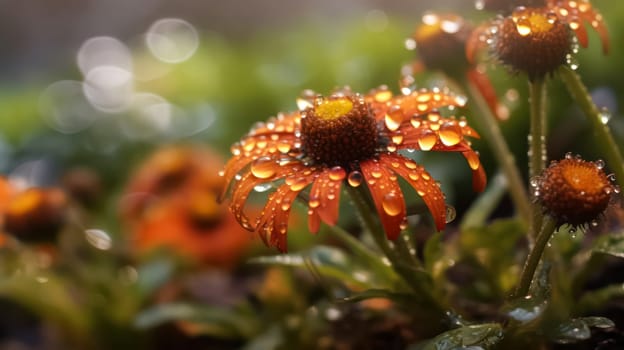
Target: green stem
(361, 251)
(488, 126)
(537, 142)
(603, 138)
(537, 139)
(535, 256)
(408, 273)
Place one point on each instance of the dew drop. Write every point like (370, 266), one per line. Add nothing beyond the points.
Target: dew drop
(283, 147)
(605, 116)
(473, 160)
(263, 168)
(523, 26)
(393, 119)
(600, 163)
(427, 140)
(415, 121)
(450, 134)
(397, 139)
(314, 203)
(299, 184)
(337, 173)
(451, 213)
(392, 204)
(383, 95)
(263, 187)
(355, 178)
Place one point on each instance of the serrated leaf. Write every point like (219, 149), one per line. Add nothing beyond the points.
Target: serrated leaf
(482, 336)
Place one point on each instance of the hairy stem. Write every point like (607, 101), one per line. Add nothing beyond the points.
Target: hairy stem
(488, 126)
(603, 136)
(537, 142)
(534, 257)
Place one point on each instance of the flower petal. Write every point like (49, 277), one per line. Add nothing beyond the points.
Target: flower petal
(576, 12)
(427, 188)
(248, 181)
(325, 198)
(276, 137)
(479, 179)
(272, 224)
(387, 196)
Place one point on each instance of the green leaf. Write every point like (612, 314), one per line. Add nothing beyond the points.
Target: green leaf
(482, 336)
(526, 309)
(329, 262)
(578, 329)
(401, 298)
(217, 321)
(596, 299)
(154, 274)
(51, 298)
(611, 244)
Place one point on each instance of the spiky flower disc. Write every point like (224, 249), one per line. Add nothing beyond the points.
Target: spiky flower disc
(533, 41)
(574, 191)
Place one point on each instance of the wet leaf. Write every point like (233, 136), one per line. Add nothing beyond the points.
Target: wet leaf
(217, 321)
(578, 329)
(329, 262)
(596, 299)
(526, 309)
(611, 244)
(482, 336)
(154, 274)
(401, 298)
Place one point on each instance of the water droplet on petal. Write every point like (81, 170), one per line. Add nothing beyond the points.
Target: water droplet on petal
(355, 178)
(523, 26)
(263, 187)
(263, 168)
(450, 134)
(337, 173)
(427, 140)
(393, 119)
(392, 204)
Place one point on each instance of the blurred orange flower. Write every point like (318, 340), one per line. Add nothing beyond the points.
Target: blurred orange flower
(170, 203)
(33, 214)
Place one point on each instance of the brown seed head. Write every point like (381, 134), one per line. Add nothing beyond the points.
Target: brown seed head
(574, 191)
(441, 40)
(339, 130)
(533, 41)
(507, 6)
(36, 214)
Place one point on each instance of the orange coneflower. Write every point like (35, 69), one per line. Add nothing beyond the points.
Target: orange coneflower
(441, 41)
(576, 13)
(574, 191)
(170, 203)
(350, 138)
(31, 215)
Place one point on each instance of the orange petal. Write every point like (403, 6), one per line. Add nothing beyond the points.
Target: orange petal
(272, 225)
(387, 196)
(479, 179)
(248, 181)
(421, 181)
(325, 198)
(424, 101)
